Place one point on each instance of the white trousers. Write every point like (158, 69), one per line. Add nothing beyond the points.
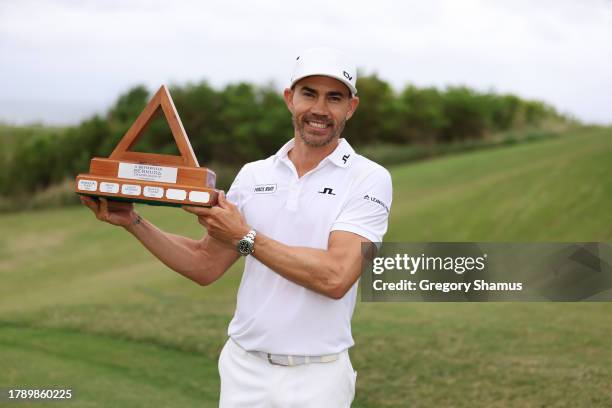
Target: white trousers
(249, 381)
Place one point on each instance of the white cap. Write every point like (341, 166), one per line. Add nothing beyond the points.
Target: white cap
(327, 62)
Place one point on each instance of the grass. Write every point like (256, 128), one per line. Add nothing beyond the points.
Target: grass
(558, 190)
(117, 372)
(82, 305)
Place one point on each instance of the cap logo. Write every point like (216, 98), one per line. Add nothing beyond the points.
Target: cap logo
(347, 75)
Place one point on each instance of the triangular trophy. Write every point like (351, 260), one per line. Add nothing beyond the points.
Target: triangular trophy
(151, 178)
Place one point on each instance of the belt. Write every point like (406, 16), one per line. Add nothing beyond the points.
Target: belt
(291, 360)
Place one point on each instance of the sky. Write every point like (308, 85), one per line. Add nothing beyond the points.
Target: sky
(62, 61)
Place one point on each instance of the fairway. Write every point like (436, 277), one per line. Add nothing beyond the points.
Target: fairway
(84, 306)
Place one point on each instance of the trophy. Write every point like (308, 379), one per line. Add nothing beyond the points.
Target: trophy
(150, 178)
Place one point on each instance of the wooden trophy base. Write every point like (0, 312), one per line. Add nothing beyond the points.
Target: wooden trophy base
(150, 184)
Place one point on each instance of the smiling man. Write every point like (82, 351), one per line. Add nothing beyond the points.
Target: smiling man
(300, 217)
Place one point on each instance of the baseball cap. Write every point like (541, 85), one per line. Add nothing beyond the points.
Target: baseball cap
(326, 62)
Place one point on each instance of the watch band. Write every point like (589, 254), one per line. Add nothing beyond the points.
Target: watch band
(251, 235)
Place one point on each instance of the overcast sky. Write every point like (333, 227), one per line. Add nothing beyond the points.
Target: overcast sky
(61, 61)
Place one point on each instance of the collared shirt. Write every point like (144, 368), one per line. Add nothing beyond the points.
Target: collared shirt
(346, 192)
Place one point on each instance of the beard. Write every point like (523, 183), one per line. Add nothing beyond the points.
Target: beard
(299, 124)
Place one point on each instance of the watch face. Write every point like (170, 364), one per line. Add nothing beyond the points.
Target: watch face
(245, 247)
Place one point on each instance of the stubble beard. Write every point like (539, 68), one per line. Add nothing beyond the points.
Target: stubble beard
(300, 124)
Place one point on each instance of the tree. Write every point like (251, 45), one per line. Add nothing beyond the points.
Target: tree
(376, 117)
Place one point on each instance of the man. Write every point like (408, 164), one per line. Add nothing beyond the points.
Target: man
(300, 218)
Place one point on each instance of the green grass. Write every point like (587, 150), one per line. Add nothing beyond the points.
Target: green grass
(559, 190)
(112, 371)
(82, 305)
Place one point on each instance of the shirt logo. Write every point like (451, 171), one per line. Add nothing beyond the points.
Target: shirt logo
(377, 201)
(264, 189)
(327, 190)
(345, 158)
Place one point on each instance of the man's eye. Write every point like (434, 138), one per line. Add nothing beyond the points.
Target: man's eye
(308, 94)
(334, 99)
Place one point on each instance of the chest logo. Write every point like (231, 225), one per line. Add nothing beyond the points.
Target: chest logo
(264, 189)
(327, 190)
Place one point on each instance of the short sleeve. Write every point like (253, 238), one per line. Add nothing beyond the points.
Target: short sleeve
(366, 211)
(235, 194)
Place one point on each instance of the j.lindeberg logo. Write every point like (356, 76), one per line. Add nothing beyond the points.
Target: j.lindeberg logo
(264, 189)
(327, 190)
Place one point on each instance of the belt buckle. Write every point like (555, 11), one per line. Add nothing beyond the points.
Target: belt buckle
(274, 362)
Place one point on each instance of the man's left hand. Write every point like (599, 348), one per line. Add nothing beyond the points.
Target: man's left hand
(223, 222)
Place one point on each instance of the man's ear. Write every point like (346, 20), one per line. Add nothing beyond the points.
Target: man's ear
(288, 96)
(353, 103)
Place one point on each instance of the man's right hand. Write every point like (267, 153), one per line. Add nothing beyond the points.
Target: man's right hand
(113, 212)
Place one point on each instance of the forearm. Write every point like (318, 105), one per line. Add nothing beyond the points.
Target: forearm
(330, 272)
(319, 270)
(178, 253)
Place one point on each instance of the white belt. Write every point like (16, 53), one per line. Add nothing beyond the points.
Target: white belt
(290, 360)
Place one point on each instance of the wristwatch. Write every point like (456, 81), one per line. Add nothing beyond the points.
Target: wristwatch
(246, 246)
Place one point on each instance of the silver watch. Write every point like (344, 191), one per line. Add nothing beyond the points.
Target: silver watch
(246, 246)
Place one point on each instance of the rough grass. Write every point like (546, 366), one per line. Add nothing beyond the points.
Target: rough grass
(82, 305)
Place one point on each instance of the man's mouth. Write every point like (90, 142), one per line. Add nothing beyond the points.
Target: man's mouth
(318, 124)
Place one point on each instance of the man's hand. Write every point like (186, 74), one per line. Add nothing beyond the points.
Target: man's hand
(223, 222)
(113, 212)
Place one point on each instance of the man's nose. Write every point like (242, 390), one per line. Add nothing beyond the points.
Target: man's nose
(320, 107)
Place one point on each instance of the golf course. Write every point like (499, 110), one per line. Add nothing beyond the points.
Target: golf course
(84, 307)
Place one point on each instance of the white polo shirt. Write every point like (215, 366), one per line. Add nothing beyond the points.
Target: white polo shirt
(344, 192)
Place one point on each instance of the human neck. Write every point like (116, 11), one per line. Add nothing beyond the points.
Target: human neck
(306, 158)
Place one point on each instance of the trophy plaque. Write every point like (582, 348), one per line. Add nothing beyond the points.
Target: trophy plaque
(150, 178)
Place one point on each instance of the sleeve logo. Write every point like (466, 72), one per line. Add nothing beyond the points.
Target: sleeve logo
(377, 201)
